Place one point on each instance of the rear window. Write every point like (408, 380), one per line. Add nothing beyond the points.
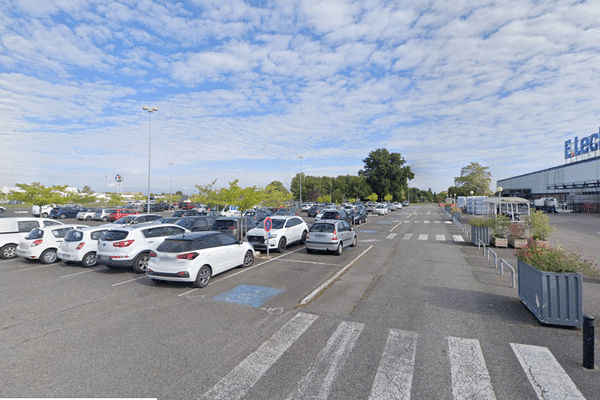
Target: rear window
(318, 227)
(27, 226)
(184, 245)
(113, 236)
(35, 234)
(223, 224)
(74, 236)
(331, 215)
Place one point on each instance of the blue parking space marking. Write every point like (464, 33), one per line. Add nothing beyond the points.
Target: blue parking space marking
(254, 296)
(385, 222)
(368, 231)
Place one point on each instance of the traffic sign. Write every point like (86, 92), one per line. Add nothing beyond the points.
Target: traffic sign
(268, 224)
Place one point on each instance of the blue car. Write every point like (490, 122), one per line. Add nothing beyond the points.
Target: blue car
(65, 212)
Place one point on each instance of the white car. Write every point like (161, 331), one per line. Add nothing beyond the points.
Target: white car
(14, 229)
(42, 211)
(130, 246)
(80, 245)
(380, 209)
(286, 230)
(197, 257)
(42, 243)
(87, 215)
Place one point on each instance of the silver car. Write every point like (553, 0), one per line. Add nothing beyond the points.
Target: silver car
(330, 235)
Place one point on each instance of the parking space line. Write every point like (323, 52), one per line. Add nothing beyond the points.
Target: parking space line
(130, 280)
(312, 262)
(82, 272)
(37, 267)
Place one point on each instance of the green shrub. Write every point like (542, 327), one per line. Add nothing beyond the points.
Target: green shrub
(539, 225)
(478, 221)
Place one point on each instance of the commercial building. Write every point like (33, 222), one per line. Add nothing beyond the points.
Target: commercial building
(576, 183)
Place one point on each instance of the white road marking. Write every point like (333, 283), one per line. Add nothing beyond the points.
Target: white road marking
(407, 236)
(440, 238)
(129, 280)
(83, 272)
(395, 373)
(316, 384)
(423, 236)
(548, 379)
(437, 222)
(448, 222)
(426, 221)
(458, 238)
(391, 236)
(470, 377)
(235, 384)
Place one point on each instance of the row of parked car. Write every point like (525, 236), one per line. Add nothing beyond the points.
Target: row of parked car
(182, 251)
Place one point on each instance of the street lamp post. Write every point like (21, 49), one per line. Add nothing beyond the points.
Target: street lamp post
(300, 157)
(150, 111)
(171, 185)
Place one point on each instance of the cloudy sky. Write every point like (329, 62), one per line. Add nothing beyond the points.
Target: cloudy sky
(244, 88)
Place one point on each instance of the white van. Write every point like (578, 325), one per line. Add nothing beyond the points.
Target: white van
(13, 230)
(230, 211)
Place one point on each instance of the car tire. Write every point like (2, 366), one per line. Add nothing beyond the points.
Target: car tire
(45, 215)
(339, 250)
(140, 264)
(354, 242)
(48, 256)
(304, 235)
(8, 251)
(89, 260)
(281, 245)
(104, 219)
(309, 251)
(88, 218)
(248, 259)
(203, 277)
(63, 216)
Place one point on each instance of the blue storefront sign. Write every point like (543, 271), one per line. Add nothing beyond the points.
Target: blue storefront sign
(577, 147)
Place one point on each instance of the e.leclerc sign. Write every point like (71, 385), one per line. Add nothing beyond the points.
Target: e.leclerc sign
(577, 147)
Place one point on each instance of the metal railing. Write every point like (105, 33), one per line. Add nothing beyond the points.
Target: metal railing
(503, 262)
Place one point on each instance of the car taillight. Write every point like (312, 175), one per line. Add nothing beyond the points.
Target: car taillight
(153, 254)
(334, 237)
(123, 243)
(231, 227)
(80, 246)
(37, 242)
(187, 256)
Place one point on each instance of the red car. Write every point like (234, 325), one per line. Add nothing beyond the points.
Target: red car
(120, 213)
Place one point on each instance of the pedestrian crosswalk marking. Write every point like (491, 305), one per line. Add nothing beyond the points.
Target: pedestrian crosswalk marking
(423, 236)
(235, 384)
(331, 359)
(393, 379)
(391, 236)
(458, 238)
(407, 236)
(426, 221)
(440, 237)
(548, 378)
(395, 373)
(437, 222)
(448, 222)
(470, 377)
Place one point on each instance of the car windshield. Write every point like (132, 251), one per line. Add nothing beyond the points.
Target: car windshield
(124, 220)
(175, 246)
(318, 227)
(278, 223)
(224, 224)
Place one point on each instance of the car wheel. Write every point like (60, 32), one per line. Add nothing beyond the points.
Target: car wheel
(203, 276)
(281, 245)
(62, 216)
(104, 219)
(89, 260)
(8, 251)
(45, 215)
(303, 240)
(340, 249)
(88, 218)
(48, 256)
(140, 264)
(309, 251)
(248, 258)
(354, 241)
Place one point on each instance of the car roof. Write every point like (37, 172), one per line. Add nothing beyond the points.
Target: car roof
(193, 235)
(74, 226)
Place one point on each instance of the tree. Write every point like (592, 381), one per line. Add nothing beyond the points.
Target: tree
(476, 178)
(86, 189)
(39, 195)
(385, 173)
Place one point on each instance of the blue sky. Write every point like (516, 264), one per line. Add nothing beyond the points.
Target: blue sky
(244, 88)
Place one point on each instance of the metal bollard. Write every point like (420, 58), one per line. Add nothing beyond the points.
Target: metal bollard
(588, 342)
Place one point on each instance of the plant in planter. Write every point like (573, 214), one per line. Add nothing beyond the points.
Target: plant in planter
(455, 211)
(480, 230)
(517, 235)
(500, 229)
(539, 227)
(551, 284)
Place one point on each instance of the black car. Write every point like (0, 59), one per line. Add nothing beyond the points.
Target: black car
(185, 213)
(197, 223)
(287, 211)
(257, 215)
(314, 210)
(65, 212)
(340, 214)
(232, 226)
(358, 215)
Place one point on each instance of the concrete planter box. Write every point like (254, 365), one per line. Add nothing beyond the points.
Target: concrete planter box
(499, 242)
(554, 298)
(517, 243)
(480, 232)
(456, 215)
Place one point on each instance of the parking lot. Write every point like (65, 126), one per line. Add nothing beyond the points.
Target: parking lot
(68, 331)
